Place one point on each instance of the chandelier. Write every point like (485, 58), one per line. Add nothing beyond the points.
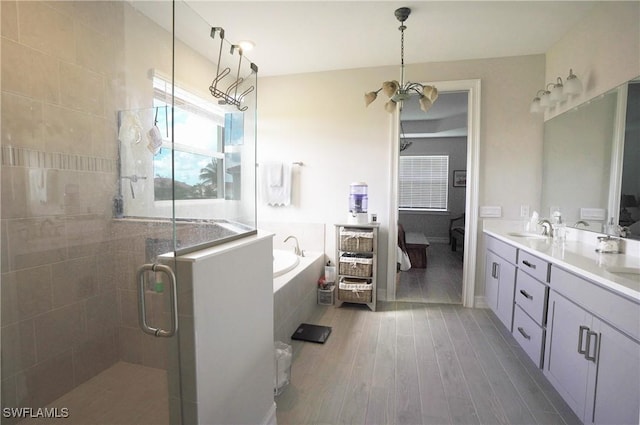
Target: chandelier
(398, 92)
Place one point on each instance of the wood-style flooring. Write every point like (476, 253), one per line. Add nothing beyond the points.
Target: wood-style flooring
(439, 282)
(415, 363)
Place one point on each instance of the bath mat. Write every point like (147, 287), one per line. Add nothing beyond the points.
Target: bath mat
(312, 333)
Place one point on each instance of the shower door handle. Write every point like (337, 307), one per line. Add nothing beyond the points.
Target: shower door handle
(142, 310)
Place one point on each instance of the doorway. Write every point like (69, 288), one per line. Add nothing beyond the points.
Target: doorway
(432, 224)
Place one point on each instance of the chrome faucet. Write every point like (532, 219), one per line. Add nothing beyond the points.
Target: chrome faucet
(579, 222)
(547, 228)
(297, 249)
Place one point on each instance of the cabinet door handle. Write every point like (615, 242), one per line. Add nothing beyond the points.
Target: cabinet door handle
(526, 294)
(497, 276)
(524, 334)
(595, 336)
(528, 264)
(580, 332)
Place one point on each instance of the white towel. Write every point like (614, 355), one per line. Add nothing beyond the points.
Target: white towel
(277, 195)
(274, 173)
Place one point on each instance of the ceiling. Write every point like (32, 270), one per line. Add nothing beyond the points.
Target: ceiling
(302, 36)
(309, 36)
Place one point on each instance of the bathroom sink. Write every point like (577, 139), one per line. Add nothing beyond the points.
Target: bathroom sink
(527, 235)
(623, 270)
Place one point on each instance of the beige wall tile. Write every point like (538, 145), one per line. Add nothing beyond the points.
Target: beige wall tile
(73, 281)
(33, 291)
(48, 380)
(47, 30)
(9, 14)
(94, 356)
(104, 137)
(59, 330)
(34, 242)
(29, 72)
(14, 192)
(66, 130)
(95, 51)
(8, 392)
(22, 124)
(105, 17)
(129, 309)
(130, 344)
(102, 314)
(4, 246)
(18, 351)
(81, 89)
(8, 299)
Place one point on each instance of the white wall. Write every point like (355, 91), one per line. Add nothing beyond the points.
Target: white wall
(603, 50)
(320, 119)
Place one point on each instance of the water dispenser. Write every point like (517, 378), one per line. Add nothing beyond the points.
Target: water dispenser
(358, 201)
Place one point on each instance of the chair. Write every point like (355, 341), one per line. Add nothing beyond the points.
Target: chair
(456, 232)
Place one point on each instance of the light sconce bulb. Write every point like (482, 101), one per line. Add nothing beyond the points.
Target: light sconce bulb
(535, 107)
(573, 86)
(545, 100)
(557, 92)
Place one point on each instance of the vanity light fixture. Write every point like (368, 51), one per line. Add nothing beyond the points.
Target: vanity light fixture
(398, 92)
(558, 93)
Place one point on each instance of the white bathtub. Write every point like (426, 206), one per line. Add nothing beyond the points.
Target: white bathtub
(295, 283)
(283, 262)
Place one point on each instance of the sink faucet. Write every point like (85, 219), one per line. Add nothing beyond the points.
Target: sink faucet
(547, 228)
(297, 249)
(579, 222)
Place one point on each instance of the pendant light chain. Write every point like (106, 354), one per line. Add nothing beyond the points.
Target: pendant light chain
(402, 28)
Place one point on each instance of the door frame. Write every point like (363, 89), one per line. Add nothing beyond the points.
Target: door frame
(471, 199)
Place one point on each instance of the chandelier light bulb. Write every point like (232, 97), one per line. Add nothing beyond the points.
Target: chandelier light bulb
(398, 92)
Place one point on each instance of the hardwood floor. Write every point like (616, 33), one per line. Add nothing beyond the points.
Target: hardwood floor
(439, 282)
(414, 363)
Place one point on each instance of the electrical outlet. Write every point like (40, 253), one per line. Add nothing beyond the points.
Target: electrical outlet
(524, 211)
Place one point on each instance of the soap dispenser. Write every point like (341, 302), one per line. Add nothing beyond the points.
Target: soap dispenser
(559, 228)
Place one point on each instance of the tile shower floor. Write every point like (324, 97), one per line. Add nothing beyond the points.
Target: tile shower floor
(124, 394)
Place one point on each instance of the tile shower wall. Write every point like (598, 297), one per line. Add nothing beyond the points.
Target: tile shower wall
(68, 304)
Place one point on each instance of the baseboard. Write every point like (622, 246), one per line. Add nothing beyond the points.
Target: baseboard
(480, 302)
(270, 418)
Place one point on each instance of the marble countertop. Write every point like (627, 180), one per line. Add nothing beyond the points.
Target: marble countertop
(578, 255)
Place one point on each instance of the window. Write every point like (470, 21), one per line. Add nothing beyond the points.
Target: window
(424, 182)
(196, 158)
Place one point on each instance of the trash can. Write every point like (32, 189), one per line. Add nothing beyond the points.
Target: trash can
(283, 358)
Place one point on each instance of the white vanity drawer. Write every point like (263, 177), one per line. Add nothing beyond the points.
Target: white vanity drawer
(531, 296)
(502, 249)
(529, 335)
(533, 265)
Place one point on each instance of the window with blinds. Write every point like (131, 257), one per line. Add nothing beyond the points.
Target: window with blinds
(424, 182)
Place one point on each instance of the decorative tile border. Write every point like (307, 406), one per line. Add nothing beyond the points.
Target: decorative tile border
(21, 157)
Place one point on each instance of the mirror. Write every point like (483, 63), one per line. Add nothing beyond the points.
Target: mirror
(590, 156)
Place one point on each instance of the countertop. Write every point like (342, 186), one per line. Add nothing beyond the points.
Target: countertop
(578, 255)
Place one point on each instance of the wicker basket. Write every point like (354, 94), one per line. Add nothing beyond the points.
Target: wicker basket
(356, 240)
(353, 265)
(355, 291)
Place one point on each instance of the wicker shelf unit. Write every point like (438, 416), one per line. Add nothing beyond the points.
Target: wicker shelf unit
(357, 259)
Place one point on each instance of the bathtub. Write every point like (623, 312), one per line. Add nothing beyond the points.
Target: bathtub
(295, 283)
(283, 262)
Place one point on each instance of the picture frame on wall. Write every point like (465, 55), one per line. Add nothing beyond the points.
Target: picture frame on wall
(459, 178)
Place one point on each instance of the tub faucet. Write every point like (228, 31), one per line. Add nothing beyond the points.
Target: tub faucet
(579, 222)
(296, 250)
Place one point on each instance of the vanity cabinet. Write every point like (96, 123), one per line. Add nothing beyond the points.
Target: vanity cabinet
(593, 358)
(530, 309)
(500, 279)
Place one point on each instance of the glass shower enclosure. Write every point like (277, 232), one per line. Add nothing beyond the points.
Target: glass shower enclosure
(115, 152)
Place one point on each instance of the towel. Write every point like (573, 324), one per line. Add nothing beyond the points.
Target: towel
(272, 194)
(274, 173)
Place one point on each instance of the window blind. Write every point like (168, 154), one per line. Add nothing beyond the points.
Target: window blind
(424, 182)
